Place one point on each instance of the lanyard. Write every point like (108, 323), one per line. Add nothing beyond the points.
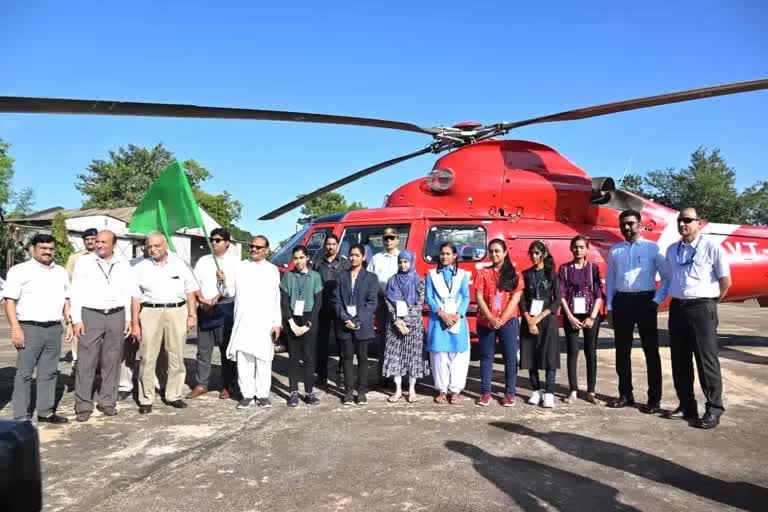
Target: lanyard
(449, 284)
(538, 280)
(106, 274)
(302, 283)
(693, 255)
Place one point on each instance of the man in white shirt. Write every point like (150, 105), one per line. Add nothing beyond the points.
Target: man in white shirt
(384, 265)
(89, 244)
(699, 278)
(632, 299)
(37, 297)
(163, 307)
(215, 315)
(102, 287)
(257, 323)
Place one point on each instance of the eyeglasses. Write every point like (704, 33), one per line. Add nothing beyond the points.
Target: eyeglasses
(686, 220)
(389, 238)
(256, 247)
(216, 240)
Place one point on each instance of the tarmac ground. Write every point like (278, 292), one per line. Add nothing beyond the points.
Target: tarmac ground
(421, 456)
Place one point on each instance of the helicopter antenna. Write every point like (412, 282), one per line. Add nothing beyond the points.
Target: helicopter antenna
(626, 170)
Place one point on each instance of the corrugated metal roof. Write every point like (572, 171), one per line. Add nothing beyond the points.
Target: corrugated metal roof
(123, 214)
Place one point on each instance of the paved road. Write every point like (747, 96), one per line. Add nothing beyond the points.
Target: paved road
(423, 456)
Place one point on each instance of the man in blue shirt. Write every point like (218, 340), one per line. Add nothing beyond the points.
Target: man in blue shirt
(632, 299)
(700, 277)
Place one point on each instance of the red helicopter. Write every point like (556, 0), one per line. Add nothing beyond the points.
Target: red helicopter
(484, 188)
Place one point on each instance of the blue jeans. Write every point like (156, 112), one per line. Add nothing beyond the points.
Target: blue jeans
(508, 335)
(549, 386)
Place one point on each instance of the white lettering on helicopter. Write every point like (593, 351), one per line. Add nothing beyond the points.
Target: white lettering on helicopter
(747, 250)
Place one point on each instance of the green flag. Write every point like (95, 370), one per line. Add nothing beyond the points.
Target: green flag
(169, 205)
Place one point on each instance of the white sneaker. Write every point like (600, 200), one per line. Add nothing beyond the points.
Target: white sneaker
(535, 398)
(549, 401)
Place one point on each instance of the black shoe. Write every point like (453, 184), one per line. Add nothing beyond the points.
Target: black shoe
(178, 404)
(684, 413)
(107, 411)
(54, 419)
(349, 399)
(709, 421)
(621, 402)
(264, 402)
(122, 395)
(321, 382)
(651, 408)
(293, 400)
(145, 409)
(362, 399)
(312, 399)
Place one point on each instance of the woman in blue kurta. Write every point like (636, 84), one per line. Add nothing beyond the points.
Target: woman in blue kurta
(447, 294)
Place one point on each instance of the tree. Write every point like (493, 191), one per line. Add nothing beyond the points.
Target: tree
(22, 201)
(18, 203)
(708, 184)
(221, 207)
(244, 236)
(60, 235)
(331, 202)
(6, 172)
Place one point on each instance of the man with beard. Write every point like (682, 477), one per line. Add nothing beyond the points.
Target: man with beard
(632, 299)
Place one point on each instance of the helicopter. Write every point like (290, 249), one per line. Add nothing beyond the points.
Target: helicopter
(484, 187)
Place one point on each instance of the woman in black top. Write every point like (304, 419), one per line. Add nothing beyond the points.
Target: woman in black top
(539, 342)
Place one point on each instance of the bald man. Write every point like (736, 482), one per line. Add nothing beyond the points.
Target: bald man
(163, 308)
(102, 287)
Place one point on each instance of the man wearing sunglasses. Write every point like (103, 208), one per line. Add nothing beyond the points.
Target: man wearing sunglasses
(384, 265)
(216, 310)
(699, 278)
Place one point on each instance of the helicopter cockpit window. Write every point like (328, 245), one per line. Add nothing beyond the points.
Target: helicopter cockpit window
(316, 243)
(282, 258)
(371, 238)
(470, 241)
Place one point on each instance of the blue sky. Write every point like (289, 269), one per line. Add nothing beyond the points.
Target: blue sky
(429, 64)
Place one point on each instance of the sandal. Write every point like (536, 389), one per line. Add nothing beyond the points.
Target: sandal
(411, 398)
(394, 398)
(441, 398)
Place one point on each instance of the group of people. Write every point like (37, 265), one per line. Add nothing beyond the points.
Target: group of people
(243, 308)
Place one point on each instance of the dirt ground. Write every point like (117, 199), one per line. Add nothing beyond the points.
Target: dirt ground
(422, 456)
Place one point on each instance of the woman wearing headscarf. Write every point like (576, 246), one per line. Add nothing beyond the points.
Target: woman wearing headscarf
(447, 294)
(405, 355)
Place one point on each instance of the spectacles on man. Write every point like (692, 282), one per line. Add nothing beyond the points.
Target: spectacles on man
(216, 240)
(389, 238)
(255, 247)
(686, 220)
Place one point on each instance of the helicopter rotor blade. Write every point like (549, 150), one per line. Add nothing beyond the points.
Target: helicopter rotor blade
(638, 103)
(25, 105)
(340, 183)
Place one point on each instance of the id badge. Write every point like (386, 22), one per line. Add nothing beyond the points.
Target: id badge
(497, 302)
(537, 306)
(449, 306)
(298, 308)
(401, 309)
(579, 306)
(352, 310)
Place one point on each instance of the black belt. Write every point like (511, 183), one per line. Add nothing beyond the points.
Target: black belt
(107, 311)
(41, 324)
(691, 302)
(637, 293)
(167, 305)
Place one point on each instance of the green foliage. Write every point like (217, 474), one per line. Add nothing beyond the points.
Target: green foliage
(61, 236)
(331, 202)
(22, 201)
(6, 172)
(707, 184)
(242, 236)
(18, 203)
(221, 207)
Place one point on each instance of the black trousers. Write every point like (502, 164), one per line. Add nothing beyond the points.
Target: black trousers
(590, 352)
(693, 334)
(325, 333)
(352, 347)
(630, 309)
(301, 349)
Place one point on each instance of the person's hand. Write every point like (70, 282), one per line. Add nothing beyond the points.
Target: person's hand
(206, 306)
(496, 324)
(79, 329)
(533, 329)
(349, 324)
(17, 338)
(220, 276)
(295, 329)
(69, 334)
(191, 321)
(448, 319)
(127, 328)
(588, 322)
(575, 322)
(304, 329)
(275, 333)
(136, 331)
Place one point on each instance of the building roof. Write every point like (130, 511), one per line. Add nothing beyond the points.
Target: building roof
(123, 214)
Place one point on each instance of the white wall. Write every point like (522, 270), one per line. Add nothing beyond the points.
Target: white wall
(99, 222)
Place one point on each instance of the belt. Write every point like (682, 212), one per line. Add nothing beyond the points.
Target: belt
(41, 324)
(107, 311)
(646, 292)
(691, 302)
(166, 305)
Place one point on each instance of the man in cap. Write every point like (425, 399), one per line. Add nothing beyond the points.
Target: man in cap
(89, 245)
(37, 297)
(163, 309)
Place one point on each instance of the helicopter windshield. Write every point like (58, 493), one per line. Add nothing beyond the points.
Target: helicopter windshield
(282, 256)
(470, 242)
